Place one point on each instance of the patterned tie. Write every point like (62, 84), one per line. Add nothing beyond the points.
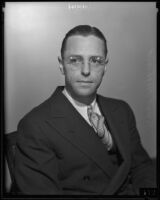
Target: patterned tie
(97, 122)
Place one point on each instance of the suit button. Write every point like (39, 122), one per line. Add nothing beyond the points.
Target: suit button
(86, 178)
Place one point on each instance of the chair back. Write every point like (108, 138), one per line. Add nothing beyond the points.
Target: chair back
(10, 148)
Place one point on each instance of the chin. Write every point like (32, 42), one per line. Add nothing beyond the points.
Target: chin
(85, 92)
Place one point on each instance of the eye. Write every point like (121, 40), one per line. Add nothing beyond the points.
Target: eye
(74, 60)
(96, 60)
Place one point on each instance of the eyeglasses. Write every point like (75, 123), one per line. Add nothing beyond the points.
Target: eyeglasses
(78, 61)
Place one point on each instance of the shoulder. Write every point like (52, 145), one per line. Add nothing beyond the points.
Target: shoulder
(120, 109)
(114, 103)
(37, 115)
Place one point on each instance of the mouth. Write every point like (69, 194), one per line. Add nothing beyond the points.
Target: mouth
(85, 82)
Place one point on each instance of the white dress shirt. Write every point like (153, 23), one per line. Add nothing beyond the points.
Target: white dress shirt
(82, 109)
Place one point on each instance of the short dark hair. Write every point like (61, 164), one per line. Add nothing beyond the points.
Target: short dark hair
(84, 30)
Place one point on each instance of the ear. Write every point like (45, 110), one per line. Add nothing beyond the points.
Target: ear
(61, 67)
(106, 62)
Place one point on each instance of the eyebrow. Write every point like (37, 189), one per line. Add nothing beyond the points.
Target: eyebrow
(79, 55)
(75, 55)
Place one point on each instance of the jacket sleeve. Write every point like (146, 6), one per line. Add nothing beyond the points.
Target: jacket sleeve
(142, 169)
(36, 166)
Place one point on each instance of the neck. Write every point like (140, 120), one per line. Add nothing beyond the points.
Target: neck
(87, 100)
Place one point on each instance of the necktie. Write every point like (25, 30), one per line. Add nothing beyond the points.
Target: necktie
(97, 121)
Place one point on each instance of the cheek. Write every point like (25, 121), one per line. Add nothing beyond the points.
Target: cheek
(98, 76)
(71, 75)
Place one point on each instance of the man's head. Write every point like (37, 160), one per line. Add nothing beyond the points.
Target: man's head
(83, 62)
(84, 30)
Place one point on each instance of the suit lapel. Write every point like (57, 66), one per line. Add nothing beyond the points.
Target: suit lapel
(108, 113)
(73, 127)
(116, 129)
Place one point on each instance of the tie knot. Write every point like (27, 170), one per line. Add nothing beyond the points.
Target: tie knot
(91, 114)
(90, 110)
(97, 121)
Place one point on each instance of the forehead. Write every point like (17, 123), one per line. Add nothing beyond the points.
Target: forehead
(84, 45)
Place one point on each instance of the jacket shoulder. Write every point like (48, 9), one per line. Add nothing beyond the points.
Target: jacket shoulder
(114, 102)
(38, 114)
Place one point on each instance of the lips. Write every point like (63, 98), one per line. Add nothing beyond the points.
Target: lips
(85, 84)
(84, 81)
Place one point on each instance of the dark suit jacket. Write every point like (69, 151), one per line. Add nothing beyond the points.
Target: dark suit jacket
(59, 153)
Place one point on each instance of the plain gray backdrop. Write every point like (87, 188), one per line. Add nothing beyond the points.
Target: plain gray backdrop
(33, 36)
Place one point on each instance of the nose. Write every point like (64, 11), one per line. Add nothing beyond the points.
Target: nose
(85, 70)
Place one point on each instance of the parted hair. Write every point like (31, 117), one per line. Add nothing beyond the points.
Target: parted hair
(84, 30)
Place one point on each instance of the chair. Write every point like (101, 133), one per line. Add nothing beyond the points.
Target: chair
(10, 147)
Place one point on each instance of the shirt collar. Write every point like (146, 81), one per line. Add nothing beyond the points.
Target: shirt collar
(75, 102)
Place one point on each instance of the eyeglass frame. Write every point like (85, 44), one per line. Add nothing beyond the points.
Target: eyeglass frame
(79, 64)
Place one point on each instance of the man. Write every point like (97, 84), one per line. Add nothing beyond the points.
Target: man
(79, 142)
